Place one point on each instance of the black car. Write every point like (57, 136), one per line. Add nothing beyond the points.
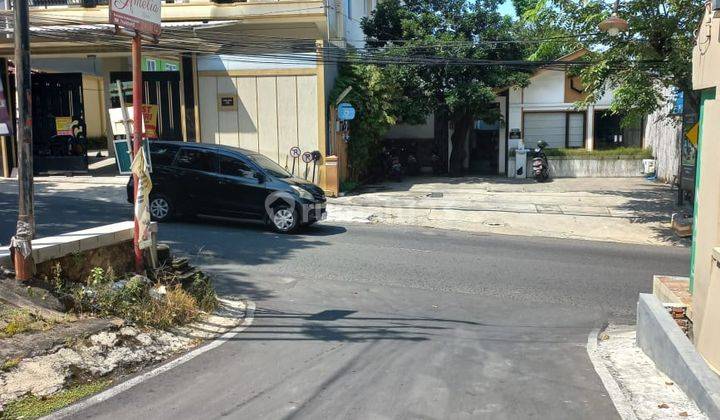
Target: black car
(191, 179)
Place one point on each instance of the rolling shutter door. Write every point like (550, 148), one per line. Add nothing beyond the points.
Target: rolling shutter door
(546, 126)
(576, 130)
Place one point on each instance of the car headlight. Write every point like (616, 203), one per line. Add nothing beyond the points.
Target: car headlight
(303, 193)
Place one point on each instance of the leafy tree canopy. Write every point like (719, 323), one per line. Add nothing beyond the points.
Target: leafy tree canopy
(655, 53)
(436, 40)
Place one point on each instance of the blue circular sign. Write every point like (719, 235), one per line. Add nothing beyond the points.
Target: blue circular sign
(346, 112)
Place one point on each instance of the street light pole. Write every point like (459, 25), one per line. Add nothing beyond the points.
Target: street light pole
(21, 243)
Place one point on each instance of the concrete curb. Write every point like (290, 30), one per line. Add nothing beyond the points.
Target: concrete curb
(673, 353)
(621, 403)
(130, 383)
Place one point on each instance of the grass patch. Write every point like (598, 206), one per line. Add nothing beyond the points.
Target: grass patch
(10, 364)
(32, 407)
(18, 321)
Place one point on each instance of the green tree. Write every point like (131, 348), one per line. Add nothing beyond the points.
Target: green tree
(655, 53)
(546, 39)
(374, 98)
(438, 46)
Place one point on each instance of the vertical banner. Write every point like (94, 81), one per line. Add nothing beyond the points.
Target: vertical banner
(150, 118)
(142, 200)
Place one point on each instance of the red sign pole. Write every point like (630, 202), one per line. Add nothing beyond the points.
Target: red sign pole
(137, 129)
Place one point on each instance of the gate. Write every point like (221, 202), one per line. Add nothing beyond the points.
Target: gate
(58, 95)
(161, 88)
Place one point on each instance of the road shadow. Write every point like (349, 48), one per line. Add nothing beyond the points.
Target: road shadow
(226, 250)
(61, 214)
(653, 206)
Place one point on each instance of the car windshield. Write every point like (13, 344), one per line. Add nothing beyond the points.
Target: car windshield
(271, 167)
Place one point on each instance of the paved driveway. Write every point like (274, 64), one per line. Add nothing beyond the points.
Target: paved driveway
(630, 210)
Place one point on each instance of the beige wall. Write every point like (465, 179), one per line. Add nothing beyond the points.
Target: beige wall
(707, 237)
(274, 113)
(706, 291)
(706, 54)
(94, 105)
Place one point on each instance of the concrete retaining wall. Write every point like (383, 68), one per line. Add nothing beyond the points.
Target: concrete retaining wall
(563, 167)
(55, 247)
(673, 353)
(597, 168)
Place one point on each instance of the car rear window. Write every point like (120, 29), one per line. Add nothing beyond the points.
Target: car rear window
(163, 154)
(197, 159)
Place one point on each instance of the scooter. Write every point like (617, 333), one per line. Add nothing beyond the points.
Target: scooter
(540, 163)
(391, 167)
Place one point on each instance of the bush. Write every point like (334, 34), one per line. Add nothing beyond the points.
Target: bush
(133, 301)
(620, 152)
(203, 291)
(178, 307)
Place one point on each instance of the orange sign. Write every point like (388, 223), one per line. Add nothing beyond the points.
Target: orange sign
(150, 118)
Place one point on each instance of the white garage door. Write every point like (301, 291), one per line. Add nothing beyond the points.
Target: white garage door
(546, 126)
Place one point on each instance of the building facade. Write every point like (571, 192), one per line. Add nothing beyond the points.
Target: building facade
(275, 61)
(546, 111)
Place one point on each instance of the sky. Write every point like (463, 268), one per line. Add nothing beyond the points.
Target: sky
(507, 8)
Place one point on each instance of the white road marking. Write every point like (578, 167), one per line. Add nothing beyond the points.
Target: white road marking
(122, 387)
(622, 405)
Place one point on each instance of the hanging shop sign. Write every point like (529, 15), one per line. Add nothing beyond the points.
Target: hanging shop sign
(150, 118)
(141, 16)
(64, 126)
(346, 112)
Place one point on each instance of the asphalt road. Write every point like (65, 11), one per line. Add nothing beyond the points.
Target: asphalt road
(374, 322)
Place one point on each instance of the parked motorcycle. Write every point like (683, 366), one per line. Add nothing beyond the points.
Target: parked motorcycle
(540, 166)
(413, 166)
(391, 165)
(439, 167)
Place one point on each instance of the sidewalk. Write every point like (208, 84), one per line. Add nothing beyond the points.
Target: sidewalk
(631, 210)
(110, 189)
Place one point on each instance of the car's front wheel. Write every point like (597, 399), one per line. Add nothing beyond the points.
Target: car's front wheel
(284, 219)
(161, 209)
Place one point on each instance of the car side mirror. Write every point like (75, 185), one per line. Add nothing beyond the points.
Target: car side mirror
(259, 176)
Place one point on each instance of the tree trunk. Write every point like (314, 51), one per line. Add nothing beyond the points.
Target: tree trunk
(462, 127)
(441, 137)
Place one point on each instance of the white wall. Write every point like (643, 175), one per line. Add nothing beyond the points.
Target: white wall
(548, 87)
(354, 11)
(255, 62)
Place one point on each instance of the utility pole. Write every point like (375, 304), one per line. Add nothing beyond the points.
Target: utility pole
(21, 243)
(137, 131)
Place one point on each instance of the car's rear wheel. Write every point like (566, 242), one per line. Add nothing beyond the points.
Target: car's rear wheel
(161, 208)
(284, 219)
